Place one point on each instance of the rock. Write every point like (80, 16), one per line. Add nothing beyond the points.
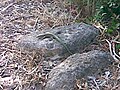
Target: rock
(77, 66)
(76, 37)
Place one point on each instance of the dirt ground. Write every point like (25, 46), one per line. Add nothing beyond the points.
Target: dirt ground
(18, 71)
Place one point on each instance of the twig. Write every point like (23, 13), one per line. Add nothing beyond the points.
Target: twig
(117, 36)
(116, 41)
(93, 78)
(111, 52)
(32, 71)
(114, 51)
(4, 68)
(77, 15)
(16, 88)
(21, 17)
(35, 25)
(96, 84)
(110, 48)
(8, 7)
(1, 87)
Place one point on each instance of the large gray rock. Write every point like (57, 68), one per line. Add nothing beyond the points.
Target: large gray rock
(77, 66)
(76, 37)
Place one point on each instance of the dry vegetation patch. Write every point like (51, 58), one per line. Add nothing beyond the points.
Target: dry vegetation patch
(20, 70)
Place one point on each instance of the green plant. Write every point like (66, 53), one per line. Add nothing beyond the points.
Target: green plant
(108, 14)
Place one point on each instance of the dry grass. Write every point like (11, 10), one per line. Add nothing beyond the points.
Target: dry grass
(22, 70)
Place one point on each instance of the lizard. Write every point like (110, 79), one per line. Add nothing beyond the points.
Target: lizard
(49, 34)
